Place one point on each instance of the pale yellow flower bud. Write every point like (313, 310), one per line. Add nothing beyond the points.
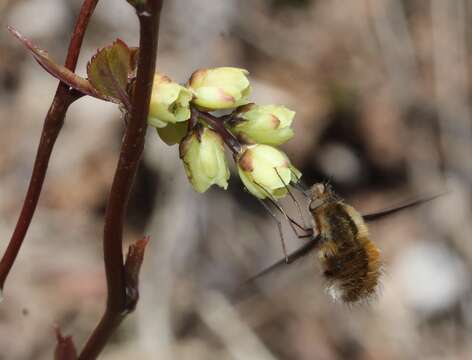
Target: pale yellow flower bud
(202, 153)
(266, 171)
(220, 88)
(264, 124)
(169, 102)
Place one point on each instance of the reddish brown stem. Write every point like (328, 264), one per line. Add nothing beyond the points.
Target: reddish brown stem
(118, 303)
(75, 45)
(217, 124)
(52, 126)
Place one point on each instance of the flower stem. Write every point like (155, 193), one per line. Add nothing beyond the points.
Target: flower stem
(118, 304)
(217, 124)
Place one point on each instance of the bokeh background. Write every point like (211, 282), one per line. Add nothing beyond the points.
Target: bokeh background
(382, 94)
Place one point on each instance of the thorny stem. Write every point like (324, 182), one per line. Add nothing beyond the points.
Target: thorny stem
(53, 122)
(218, 125)
(118, 304)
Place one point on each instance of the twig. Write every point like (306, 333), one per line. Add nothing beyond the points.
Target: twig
(217, 124)
(119, 303)
(53, 122)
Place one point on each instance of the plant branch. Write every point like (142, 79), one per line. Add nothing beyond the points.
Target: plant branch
(217, 124)
(119, 303)
(52, 126)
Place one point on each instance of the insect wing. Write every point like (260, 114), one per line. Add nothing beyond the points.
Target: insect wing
(310, 245)
(292, 257)
(387, 212)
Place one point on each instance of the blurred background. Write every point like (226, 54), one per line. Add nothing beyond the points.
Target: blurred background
(382, 94)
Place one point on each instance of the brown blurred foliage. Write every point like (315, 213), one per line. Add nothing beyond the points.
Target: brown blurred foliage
(382, 94)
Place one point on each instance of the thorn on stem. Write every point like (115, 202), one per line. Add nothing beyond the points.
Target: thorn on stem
(133, 263)
(65, 348)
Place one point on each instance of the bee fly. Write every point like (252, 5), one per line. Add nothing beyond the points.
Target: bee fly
(350, 261)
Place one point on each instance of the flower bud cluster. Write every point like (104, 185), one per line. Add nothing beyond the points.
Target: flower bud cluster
(185, 115)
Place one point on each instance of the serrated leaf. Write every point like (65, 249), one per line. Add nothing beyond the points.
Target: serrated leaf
(58, 71)
(108, 71)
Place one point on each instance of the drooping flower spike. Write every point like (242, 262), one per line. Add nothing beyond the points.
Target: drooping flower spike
(184, 115)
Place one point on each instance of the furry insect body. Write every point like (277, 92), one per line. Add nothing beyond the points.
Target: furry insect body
(339, 236)
(350, 260)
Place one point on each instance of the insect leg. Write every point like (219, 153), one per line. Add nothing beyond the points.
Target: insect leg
(297, 254)
(279, 227)
(291, 222)
(293, 197)
(300, 185)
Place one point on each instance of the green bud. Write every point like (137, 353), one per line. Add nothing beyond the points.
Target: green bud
(220, 88)
(169, 102)
(202, 153)
(264, 124)
(266, 171)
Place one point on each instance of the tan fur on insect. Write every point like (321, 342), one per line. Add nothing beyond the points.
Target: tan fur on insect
(350, 260)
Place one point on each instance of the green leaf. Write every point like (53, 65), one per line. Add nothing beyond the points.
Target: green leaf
(109, 69)
(58, 71)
